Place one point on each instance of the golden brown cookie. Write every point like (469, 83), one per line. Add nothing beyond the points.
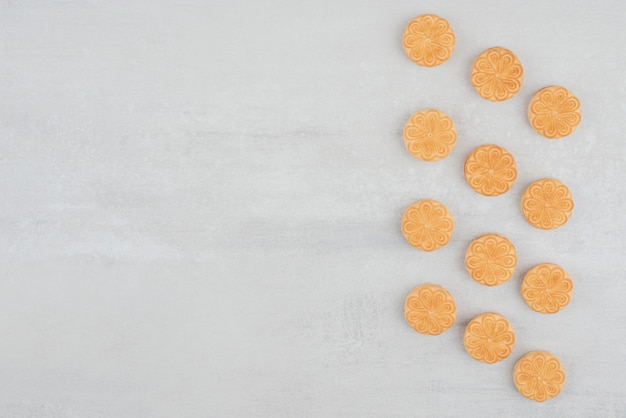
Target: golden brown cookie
(490, 170)
(539, 376)
(547, 288)
(429, 135)
(554, 112)
(547, 204)
(428, 40)
(430, 309)
(491, 259)
(427, 225)
(489, 338)
(497, 74)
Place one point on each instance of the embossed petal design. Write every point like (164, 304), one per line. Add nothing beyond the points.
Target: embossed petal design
(554, 112)
(429, 135)
(430, 309)
(427, 225)
(491, 259)
(490, 170)
(497, 74)
(547, 288)
(547, 204)
(489, 338)
(428, 40)
(539, 376)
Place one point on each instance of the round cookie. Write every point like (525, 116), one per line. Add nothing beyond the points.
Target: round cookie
(497, 74)
(428, 40)
(491, 259)
(489, 338)
(547, 288)
(490, 170)
(539, 376)
(554, 112)
(430, 309)
(429, 135)
(547, 204)
(427, 225)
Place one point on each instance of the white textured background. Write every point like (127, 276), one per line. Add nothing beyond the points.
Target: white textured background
(200, 207)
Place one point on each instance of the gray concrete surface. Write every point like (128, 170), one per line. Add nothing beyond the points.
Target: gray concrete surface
(201, 202)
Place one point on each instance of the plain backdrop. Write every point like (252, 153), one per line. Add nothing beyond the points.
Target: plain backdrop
(201, 200)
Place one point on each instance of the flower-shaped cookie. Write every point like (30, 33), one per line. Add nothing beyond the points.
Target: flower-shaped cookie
(547, 288)
(539, 376)
(428, 40)
(547, 204)
(489, 338)
(429, 135)
(491, 259)
(430, 309)
(497, 74)
(427, 225)
(554, 112)
(490, 170)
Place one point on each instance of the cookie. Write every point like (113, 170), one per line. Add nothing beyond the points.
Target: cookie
(490, 170)
(489, 338)
(539, 376)
(554, 112)
(547, 204)
(430, 309)
(427, 225)
(429, 135)
(428, 40)
(547, 288)
(497, 74)
(490, 259)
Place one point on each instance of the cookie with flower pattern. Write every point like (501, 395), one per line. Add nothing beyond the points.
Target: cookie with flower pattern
(497, 74)
(554, 112)
(427, 225)
(428, 40)
(491, 259)
(539, 376)
(547, 204)
(490, 170)
(429, 135)
(430, 309)
(489, 338)
(547, 288)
